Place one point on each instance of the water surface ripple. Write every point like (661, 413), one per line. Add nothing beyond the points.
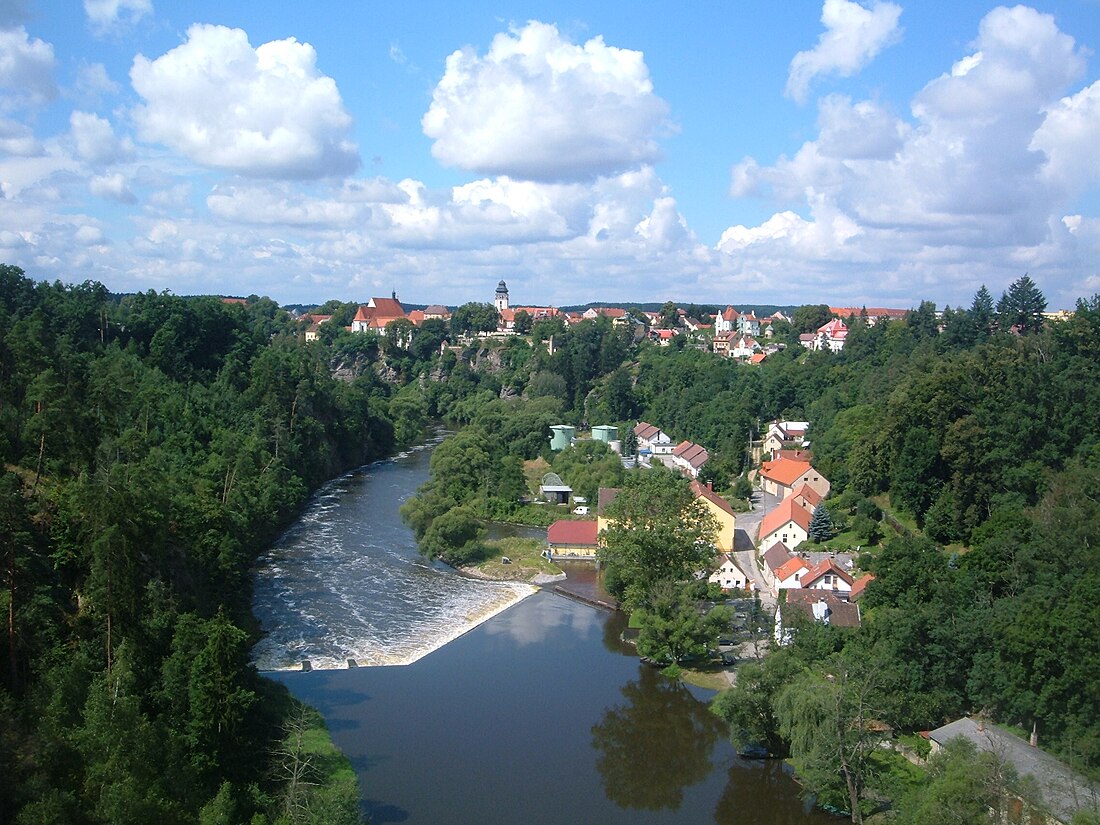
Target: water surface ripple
(346, 581)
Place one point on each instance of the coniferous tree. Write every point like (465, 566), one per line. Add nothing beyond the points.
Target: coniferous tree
(821, 525)
(1022, 306)
(981, 311)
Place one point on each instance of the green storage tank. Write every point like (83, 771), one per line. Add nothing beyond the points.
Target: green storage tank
(562, 436)
(605, 433)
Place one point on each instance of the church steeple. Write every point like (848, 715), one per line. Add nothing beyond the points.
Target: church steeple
(501, 297)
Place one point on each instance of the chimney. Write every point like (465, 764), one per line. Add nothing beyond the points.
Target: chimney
(710, 486)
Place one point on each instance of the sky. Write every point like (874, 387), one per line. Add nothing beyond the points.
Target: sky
(851, 153)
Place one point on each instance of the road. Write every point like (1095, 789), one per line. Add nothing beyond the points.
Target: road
(748, 525)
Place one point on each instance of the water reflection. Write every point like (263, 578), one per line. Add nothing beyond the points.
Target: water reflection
(659, 717)
(750, 782)
(533, 626)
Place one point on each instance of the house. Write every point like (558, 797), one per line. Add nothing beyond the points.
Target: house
(723, 343)
(784, 434)
(748, 324)
(807, 496)
(743, 347)
(437, 311)
(788, 523)
(573, 540)
(376, 313)
(592, 313)
(794, 454)
(757, 358)
(813, 606)
(604, 497)
(788, 576)
(652, 440)
(872, 314)
(830, 336)
(728, 575)
(662, 336)
(726, 321)
(830, 576)
(722, 512)
(782, 476)
(774, 557)
(689, 458)
(1064, 792)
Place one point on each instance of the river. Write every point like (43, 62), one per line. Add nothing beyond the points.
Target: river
(528, 708)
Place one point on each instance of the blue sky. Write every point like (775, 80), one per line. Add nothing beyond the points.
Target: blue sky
(845, 152)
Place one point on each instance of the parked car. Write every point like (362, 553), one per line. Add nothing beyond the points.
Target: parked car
(580, 511)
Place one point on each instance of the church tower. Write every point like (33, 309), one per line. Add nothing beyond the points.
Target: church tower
(502, 297)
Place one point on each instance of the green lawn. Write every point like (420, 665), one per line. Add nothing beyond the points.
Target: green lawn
(524, 554)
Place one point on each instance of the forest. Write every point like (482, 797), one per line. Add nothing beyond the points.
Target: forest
(153, 445)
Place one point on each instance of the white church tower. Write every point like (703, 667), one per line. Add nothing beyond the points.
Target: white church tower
(502, 297)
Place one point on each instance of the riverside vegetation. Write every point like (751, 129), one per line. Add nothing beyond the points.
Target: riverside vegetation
(153, 445)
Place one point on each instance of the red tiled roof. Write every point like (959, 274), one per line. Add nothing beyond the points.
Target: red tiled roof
(730, 314)
(702, 491)
(572, 532)
(783, 470)
(812, 496)
(757, 358)
(788, 510)
(860, 585)
(823, 567)
(791, 567)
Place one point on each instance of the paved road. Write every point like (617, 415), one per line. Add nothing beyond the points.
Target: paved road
(744, 542)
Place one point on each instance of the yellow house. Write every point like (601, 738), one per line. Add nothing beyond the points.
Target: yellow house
(722, 512)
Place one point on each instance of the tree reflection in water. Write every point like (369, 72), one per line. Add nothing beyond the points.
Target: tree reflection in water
(753, 781)
(655, 744)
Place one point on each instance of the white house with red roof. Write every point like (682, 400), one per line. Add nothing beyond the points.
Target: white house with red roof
(743, 347)
(828, 575)
(830, 336)
(726, 321)
(652, 440)
(783, 435)
(376, 313)
(748, 324)
(689, 458)
(788, 523)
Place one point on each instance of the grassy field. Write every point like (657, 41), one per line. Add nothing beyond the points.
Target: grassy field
(526, 563)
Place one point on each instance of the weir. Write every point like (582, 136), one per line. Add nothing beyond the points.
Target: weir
(346, 583)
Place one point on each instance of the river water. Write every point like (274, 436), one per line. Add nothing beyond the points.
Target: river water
(527, 710)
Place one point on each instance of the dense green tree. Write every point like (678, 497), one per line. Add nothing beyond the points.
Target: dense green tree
(829, 716)
(749, 706)
(523, 322)
(657, 532)
(673, 628)
(810, 317)
(982, 313)
(472, 318)
(670, 316)
(1022, 306)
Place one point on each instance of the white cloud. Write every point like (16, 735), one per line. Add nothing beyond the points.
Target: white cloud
(538, 107)
(105, 15)
(972, 189)
(1068, 137)
(263, 112)
(92, 81)
(112, 187)
(95, 139)
(26, 69)
(853, 36)
(18, 139)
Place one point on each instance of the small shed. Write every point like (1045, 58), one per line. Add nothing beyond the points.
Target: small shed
(562, 436)
(554, 490)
